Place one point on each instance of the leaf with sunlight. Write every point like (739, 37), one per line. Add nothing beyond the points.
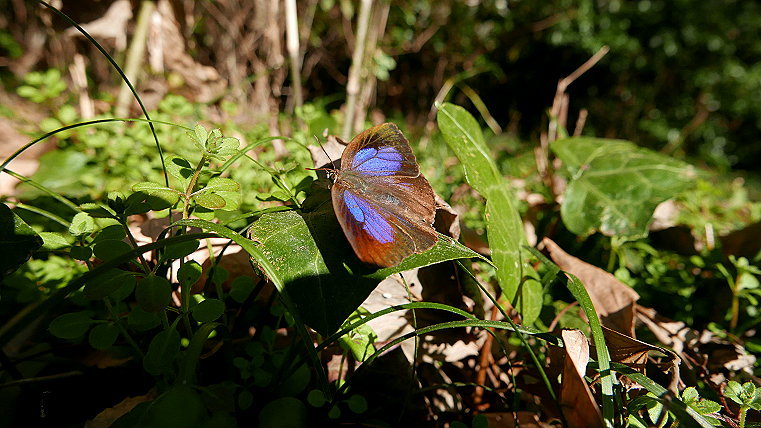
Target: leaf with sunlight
(615, 185)
(321, 275)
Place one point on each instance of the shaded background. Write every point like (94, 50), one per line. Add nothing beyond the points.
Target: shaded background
(682, 76)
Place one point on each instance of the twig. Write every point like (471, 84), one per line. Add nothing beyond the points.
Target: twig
(580, 122)
(292, 45)
(483, 364)
(134, 57)
(563, 85)
(355, 71)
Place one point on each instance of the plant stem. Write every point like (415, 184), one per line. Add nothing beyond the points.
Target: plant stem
(121, 328)
(135, 55)
(355, 71)
(192, 184)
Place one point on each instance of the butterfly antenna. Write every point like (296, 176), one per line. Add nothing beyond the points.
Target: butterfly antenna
(324, 151)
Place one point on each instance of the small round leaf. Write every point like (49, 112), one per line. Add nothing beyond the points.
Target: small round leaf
(103, 336)
(153, 293)
(208, 310)
(71, 325)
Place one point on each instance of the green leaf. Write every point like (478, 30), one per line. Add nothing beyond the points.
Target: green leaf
(360, 340)
(180, 407)
(615, 185)
(108, 283)
(178, 251)
(61, 171)
(318, 268)
(222, 184)
(166, 194)
(316, 398)
(189, 273)
(503, 223)
(110, 248)
(227, 146)
(690, 395)
(96, 210)
(191, 356)
(241, 288)
(111, 232)
(161, 351)
(706, 407)
(153, 293)
(141, 320)
(71, 325)
(357, 404)
(211, 201)
(179, 168)
(82, 224)
(17, 241)
(102, 336)
(208, 310)
(734, 391)
(284, 412)
(54, 240)
(201, 134)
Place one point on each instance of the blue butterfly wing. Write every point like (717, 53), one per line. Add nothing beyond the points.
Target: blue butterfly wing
(380, 151)
(383, 203)
(380, 234)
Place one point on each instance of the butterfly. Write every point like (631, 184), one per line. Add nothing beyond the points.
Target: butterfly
(384, 205)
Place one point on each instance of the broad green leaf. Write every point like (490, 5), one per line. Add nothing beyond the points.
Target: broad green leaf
(71, 325)
(208, 310)
(141, 320)
(108, 283)
(102, 336)
(82, 224)
(170, 196)
(211, 201)
(179, 168)
(222, 184)
(191, 356)
(615, 185)
(80, 253)
(111, 232)
(54, 240)
(503, 223)
(189, 273)
(201, 135)
(180, 407)
(153, 293)
(17, 241)
(324, 279)
(60, 171)
(360, 340)
(161, 351)
(110, 248)
(241, 288)
(178, 251)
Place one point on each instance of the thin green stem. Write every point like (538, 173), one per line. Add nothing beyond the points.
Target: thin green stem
(192, 184)
(123, 331)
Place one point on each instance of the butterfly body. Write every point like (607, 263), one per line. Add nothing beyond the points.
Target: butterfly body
(383, 203)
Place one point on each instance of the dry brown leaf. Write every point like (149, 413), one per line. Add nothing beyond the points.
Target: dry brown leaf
(576, 400)
(743, 242)
(613, 300)
(108, 416)
(632, 352)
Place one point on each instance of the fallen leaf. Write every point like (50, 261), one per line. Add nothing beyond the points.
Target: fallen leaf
(576, 400)
(613, 300)
(108, 416)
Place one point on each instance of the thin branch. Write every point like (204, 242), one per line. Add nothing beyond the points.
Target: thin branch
(355, 71)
